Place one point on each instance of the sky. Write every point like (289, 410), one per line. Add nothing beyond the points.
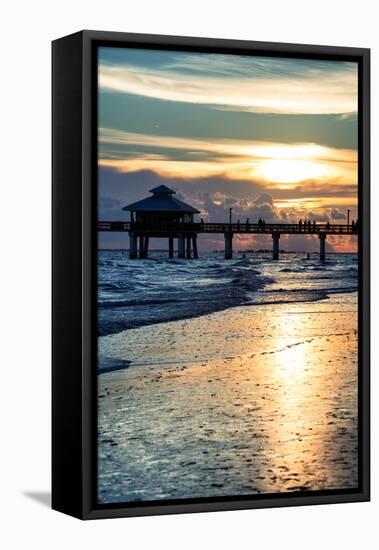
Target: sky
(268, 137)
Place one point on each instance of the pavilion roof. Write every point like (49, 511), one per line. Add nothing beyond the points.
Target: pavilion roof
(161, 201)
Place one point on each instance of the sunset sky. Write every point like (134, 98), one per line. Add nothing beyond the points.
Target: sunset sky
(270, 137)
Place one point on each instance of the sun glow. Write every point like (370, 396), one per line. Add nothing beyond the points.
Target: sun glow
(278, 164)
(290, 171)
(289, 164)
(311, 203)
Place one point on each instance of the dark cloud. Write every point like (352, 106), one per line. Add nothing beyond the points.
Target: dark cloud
(109, 208)
(318, 216)
(337, 214)
(310, 188)
(263, 198)
(257, 207)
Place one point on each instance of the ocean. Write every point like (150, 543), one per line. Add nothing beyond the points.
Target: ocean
(135, 293)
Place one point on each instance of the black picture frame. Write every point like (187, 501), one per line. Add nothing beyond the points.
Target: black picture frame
(74, 205)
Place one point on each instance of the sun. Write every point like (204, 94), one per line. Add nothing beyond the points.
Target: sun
(289, 164)
(289, 170)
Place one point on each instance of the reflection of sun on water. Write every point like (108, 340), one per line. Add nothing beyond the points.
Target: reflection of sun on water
(291, 358)
(299, 410)
(292, 361)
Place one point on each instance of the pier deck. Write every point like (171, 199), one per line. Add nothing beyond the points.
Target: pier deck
(187, 232)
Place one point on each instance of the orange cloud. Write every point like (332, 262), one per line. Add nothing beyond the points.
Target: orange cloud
(281, 165)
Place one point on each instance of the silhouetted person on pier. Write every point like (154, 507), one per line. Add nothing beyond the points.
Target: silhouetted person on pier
(201, 221)
(327, 225)
(247, 224)
(300, 224)
(309, 225)
(314, 225)
(238, 225)
(263, 224)
(353, 226)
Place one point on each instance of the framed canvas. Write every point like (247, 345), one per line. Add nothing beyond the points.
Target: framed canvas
(210, 275)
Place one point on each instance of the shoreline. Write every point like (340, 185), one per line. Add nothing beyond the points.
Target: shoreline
(244, 401)
(167, 324)
(309, 297)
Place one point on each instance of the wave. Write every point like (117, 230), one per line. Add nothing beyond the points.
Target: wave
(139, 293)
(127, 303)
(329, 290)
(108, 364)
(318, 269)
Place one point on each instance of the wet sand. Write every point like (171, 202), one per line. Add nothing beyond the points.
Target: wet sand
(256, 399)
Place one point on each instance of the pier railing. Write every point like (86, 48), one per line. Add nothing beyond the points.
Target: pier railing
(243, 228)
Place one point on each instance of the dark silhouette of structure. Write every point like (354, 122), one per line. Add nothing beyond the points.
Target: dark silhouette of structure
(162, 215)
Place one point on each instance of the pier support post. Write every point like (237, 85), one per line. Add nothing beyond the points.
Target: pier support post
(228, 245)
(170, 247)
(194, 246)
(275, 246)
(188, 248)
(181, 247)
(132, 246)
(145, 247)
(141, 246)
(322, 237)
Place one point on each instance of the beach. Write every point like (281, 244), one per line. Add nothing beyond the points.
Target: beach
(255, 398)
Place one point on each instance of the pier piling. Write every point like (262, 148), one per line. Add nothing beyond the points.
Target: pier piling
(141, 246)
(145, 246)
(171, 247)
(228, 245)
(322, 237)
(181, 248)
(132, 246)
(194, 246)
(275, 246)
(188, 248)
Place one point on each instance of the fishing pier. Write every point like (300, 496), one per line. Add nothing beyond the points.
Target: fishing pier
(163, 216)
